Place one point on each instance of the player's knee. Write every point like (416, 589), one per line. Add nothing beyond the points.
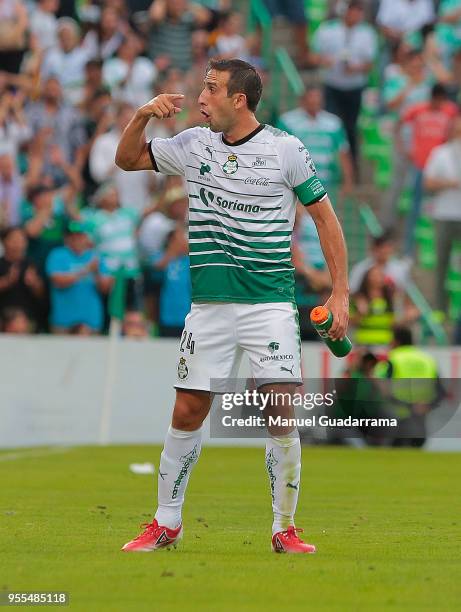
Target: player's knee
(187, 418)
(190, 410)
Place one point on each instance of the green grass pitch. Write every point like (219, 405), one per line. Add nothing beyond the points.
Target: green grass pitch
(386, 524)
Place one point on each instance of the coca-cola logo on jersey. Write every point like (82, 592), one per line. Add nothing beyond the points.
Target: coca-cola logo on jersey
(262, 182)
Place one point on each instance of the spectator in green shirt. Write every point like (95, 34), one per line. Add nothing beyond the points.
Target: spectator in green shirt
(113, 230)
(323, 134)
(45, 215)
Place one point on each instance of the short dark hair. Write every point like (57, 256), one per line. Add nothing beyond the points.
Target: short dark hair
(412, 53)
(368, 358)
(226, 15)
(383, 238)
(101, 92)
(402, 335)
(94, 63)
(427, 29)
(439, 91)
(37, 190)
(243, 78)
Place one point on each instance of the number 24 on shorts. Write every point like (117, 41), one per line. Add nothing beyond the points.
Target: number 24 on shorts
(190, 344)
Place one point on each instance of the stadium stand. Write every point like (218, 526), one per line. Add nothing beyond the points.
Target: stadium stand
(71, 72)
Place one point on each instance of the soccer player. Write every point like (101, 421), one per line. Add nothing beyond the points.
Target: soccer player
(243, 180)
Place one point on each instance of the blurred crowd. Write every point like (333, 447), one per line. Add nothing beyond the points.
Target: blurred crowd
(72, 74)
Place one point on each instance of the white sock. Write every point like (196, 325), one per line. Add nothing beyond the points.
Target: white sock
(180, 452)
(283, 463)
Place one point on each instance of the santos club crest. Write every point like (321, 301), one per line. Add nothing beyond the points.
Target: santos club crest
(183, 370)
(231, 166)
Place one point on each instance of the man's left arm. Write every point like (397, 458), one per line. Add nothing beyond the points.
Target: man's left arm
(335, 252)
(298, 169)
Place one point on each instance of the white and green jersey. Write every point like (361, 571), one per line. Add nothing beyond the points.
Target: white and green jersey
(114, 236)
(448, 35)
(324, 135)
(242, 199)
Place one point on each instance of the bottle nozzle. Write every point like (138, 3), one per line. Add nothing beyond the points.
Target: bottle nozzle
(319, 315)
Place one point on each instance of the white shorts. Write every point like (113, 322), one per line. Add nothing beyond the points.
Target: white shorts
(215, 337)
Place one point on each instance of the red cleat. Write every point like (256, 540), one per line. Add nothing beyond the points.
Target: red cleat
(288, 542)
(154, 537)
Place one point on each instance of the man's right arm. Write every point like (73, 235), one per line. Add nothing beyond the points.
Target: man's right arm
(132, 151)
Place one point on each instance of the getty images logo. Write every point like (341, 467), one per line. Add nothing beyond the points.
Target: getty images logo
(208, 197)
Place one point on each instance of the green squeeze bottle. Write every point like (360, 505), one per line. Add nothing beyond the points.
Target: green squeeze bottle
(322, 320)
